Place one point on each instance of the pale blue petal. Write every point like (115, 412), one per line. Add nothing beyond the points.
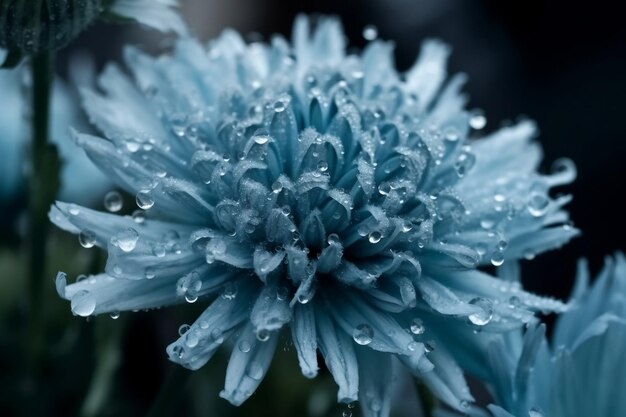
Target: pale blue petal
(247, 366)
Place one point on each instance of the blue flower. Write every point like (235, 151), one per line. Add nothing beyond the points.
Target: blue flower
(81, 180)
(29, 27)
(578, 373)
(296, 186)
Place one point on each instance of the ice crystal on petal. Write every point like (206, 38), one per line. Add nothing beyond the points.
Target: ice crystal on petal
(303, 187)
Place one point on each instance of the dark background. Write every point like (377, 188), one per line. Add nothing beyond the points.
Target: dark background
(561, 63)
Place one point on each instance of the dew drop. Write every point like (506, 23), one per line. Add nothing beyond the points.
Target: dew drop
(384, 188)
(217, 336)
(322, 166)
(303, 298)
(417, 326)
(370, 32)
(374, 237)
(230, 292)
(497, 258)
(484, 315)
(451, 134)
(255, 371)
(429, 346)
(477, 120)
(87, 238)
(192, 339)
(346, 413)
(261, 139)
(464, 162)
(184, 328)
(83, 304)
(139, 217)
(127, 239)
(282, 293)
(73, 209)
(159, 250)
(538, 204)
(113, 201)
(191, 298)
(144, 200)
(244, 346)
(515, 302)
(406, 226)
(333, 238)
(535, 412)
(114, 315)
(263, 335)
(277, 187)
(363, 334)
(279, 106)
(150, 272)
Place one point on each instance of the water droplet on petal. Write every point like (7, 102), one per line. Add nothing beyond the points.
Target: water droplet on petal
(451, 134)
(184, 328)
(115, 315)
(477, 120)
(255, 371)
(485, 313)
(230, 292)
(333, 238)
(497, 258)
(144, 200)
(429, 346)
(277, 187)
(375, 237)
(87, 238)
(192, 339)
(538, 204)
(370, 32)
(279, 106)
(464, 162)
(263, 335)
(150, 272)
(83, 304)
(363, 334)
(113, 201)
(139, 217)
(417, 326)
(127, 239)
(535, 412)
(244, 346)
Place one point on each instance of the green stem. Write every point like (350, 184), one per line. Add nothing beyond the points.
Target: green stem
(170, 393)
(42, 190)
(108, 337)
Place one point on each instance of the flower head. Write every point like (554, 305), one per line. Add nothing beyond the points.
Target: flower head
(577, 373)
(298, 186)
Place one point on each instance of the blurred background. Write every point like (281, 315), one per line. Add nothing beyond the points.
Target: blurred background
(562, 64)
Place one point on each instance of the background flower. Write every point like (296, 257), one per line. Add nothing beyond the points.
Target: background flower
(316, 189)
(33, 26)
(81, 180)
(575, 374)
